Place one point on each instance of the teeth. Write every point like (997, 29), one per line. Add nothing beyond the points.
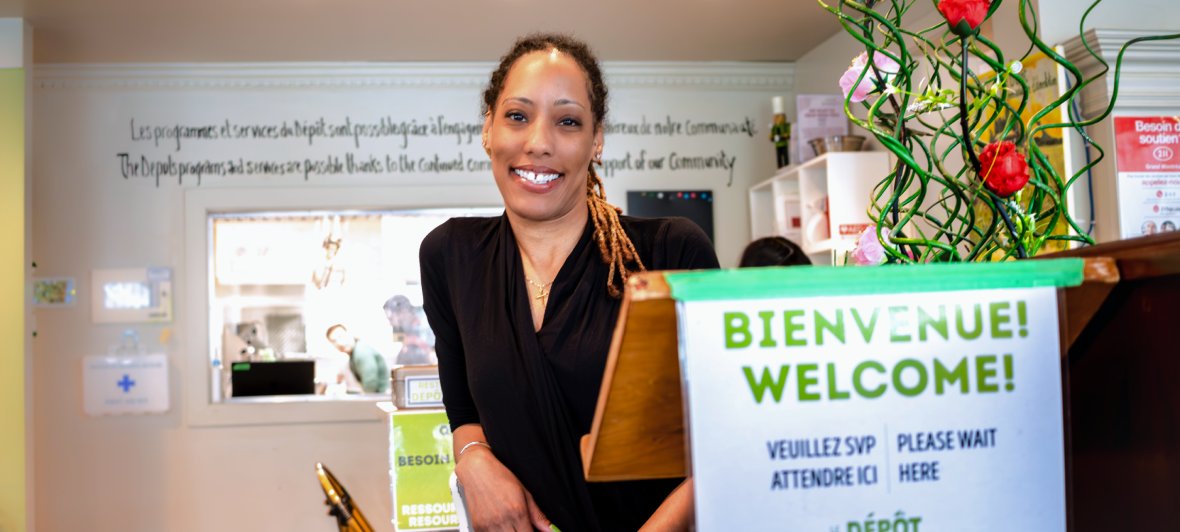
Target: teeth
(539, 179)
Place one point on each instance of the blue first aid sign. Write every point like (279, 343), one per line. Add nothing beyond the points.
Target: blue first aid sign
(125, 385)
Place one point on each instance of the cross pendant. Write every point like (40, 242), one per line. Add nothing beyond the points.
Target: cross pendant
(541, 293)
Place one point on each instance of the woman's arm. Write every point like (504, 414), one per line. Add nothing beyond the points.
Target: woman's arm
(496, 500)
(675, 514)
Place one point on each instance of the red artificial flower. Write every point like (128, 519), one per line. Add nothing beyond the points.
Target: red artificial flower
(964, 16)
(1003, 169)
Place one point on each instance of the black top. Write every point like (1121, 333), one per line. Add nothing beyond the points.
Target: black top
(534, 392)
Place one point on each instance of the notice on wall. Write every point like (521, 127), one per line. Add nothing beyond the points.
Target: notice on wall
(820, 115)
(122, 385)
(420, 468)
(1149, 174)
(882, 412)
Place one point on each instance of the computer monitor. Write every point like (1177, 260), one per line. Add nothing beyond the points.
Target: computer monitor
(286, 377)
(696, 205)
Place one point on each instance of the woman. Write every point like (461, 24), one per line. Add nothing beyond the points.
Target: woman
(523, 306)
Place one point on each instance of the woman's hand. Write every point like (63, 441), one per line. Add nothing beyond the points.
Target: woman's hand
(496, 500)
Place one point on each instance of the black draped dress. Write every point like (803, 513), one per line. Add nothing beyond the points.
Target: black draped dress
(534, 392)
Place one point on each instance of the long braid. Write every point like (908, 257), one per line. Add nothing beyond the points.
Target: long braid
(616, 247)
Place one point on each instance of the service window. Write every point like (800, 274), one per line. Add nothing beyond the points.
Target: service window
(318, 303)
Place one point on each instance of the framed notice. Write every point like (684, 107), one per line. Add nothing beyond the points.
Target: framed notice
(876, 399)
(423, 391)
(819, 115)
(1148, 151)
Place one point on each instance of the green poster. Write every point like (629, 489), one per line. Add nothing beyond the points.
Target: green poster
(420, 467)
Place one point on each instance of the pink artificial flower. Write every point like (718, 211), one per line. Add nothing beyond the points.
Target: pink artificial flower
(883, 64)
(869, 251)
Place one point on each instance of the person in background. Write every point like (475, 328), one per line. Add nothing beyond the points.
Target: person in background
(408, 330)
(773, 251)
(365, 362)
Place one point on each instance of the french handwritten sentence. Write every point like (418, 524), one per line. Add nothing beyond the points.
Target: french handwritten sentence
(176, 135)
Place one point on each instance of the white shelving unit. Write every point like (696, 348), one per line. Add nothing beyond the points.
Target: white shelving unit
(845, 180)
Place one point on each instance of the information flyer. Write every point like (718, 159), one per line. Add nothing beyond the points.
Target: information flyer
(420, 467)
(1149, 174)
(920, 411)
(820, 115)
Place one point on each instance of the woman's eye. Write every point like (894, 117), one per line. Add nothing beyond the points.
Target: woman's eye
(569, 122)
(516, 116)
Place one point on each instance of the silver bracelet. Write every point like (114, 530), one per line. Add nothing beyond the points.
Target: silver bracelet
(464, 449)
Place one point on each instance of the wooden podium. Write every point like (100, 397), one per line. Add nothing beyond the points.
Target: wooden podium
(638, 430)
(1123, 429)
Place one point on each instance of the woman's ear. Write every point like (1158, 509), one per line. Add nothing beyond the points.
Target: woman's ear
(487, 124)
(598, 143)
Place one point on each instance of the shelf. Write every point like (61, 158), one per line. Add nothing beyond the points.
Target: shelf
(792, 202)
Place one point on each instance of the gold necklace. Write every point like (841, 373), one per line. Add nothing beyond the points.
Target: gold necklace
(541, 293)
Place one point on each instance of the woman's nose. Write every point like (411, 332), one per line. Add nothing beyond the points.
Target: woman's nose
(540, 139)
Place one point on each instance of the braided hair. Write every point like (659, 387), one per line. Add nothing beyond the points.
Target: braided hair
(613, 243)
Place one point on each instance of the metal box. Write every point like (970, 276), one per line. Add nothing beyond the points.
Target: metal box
(416, 387)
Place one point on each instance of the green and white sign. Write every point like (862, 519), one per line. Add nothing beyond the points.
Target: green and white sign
(420, 467)
(888, 399)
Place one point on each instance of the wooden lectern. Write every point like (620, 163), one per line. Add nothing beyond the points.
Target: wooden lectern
(1131, 287)
(638, 430)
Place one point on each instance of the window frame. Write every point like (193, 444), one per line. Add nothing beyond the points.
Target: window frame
(194, 302)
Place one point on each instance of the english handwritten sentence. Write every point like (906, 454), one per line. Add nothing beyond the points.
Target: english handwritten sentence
(176, 135)
(145, 167)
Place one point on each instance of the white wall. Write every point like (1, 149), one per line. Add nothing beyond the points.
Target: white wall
(168, 472)
(1060, 18)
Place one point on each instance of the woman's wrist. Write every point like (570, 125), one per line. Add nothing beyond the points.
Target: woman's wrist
(473, 450)
(470, 445)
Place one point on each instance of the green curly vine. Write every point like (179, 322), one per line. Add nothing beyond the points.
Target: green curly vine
(961, 219)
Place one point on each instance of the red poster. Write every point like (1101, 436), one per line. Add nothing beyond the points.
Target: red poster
(1148, 150)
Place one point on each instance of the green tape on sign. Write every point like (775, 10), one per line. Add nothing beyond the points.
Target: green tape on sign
(811, 281)
(241, 366)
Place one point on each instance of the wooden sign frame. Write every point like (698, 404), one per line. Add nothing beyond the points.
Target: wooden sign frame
(638, 429)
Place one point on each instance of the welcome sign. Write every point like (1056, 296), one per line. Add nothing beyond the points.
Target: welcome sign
(876, 399)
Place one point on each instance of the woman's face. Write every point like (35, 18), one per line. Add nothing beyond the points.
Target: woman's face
(541, 137)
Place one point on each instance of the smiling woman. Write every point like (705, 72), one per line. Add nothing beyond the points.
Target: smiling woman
(523, 305)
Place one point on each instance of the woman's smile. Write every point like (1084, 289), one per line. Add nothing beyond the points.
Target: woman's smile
(537, 179)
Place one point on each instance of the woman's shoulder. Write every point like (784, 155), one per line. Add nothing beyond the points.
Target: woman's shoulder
(460, 235)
